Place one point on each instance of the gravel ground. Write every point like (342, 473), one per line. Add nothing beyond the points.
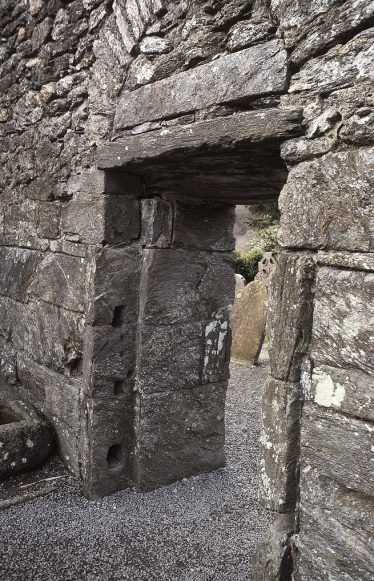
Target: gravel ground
(200, 529)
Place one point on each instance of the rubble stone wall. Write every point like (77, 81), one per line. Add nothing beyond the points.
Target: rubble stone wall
(115, 290)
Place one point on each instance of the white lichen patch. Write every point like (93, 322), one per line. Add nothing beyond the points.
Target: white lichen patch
(328, 393)
(29, 443)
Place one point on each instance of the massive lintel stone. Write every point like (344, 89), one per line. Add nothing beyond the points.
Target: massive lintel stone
(256, 71)
(212, 135)
(232, 159)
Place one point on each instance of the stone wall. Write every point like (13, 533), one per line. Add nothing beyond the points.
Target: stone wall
(115, 286)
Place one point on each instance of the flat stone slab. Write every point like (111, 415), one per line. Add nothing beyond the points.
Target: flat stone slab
(250, 73)
(26, 439)
(228, 159)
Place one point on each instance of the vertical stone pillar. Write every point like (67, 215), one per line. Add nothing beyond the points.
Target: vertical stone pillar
(156, 355)
(187, 288)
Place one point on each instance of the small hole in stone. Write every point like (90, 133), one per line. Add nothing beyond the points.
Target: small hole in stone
(75, 367)
(118, 387)
(130, 373)
(118, 314)
(114, 456)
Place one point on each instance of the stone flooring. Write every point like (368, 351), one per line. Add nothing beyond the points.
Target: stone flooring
(200, 529)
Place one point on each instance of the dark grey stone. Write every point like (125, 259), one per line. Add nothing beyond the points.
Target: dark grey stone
(25, 437)
(272, 560)
(192, 438)
(290, 314)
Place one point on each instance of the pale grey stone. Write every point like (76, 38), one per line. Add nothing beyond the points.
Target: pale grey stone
(215, 82)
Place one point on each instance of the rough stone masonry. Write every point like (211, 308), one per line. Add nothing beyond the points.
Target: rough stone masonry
(129, 130)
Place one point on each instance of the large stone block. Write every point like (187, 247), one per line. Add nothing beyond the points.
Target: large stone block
(115, 286)
(107, 445)
(83, 218)
(248, 322)
(17, 269)
(340, 447)
(336, 516)
(204, 227)
(110, 359)
(280, 445)
(179, 434)
(50, 335)
(157, 222)
(171, 357)
(343, 323)
(323, 207)
(181, 286)
(256, 71)
(345, 390)
(290, 314)
(56, 396)
(61, 280)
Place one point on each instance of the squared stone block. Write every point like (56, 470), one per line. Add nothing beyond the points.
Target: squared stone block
(170, 356)
(107, 445)
(336, 524)
(343, 322)
(122, 219)
(280, 445)
(61, 280)
(289, 324)
(17, 269)
(203, 227)
(110, 359)
(339, 446)
(115, 286)
(182, 286)
(83, 217)
(345, 390)
(323, 207)
(179, 434)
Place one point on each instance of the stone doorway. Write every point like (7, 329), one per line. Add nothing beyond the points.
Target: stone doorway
(158, 342)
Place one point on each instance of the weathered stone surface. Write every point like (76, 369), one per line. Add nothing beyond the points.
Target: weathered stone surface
(359, 128)
(204, 227)
(110, 359)
(192, 439)
(290, 314)
(347, 260)
(50, 335)
(182, 286)
(233, 77)
(115, 286)
(83, 217)
(280, 445)
(239, 283)
(334, 209)
(247, 33)
(61, 280)
(157, 222)
(107, 445)
(342, 65)
(171, 357)
(323, 432)
(57, 396)
(18, 267)
(212, 134)
(336, 525)
(343, 333)
(303, 149)
(345, 390)
(272, 560)
(122, 219)
(248, 322)
(315, 26)
(217, 349)
(49, 215)
(25, 438)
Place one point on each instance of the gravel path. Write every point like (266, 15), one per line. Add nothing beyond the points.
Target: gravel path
(200, 529)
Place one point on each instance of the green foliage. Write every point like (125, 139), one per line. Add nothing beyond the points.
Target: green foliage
(247, 263)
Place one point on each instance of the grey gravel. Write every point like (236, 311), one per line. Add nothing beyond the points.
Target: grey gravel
(200, 529)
